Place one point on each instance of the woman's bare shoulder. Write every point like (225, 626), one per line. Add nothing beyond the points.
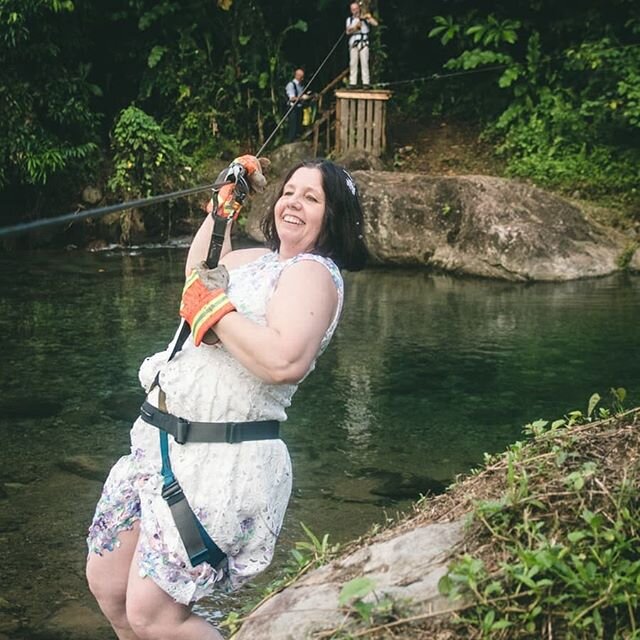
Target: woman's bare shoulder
(240, 257)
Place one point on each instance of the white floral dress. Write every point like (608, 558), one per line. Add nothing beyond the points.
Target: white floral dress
(238, 491)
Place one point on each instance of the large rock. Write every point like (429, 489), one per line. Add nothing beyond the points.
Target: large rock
(474, 225)
(393, 566)
(482, 226)
(358, 159)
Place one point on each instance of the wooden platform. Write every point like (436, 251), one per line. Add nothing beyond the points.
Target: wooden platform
(361, 120)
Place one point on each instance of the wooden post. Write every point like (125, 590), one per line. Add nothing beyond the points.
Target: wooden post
(360, 120)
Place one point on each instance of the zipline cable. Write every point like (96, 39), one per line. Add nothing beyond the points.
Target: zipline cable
(441, 76)
(295, 104)
(444, 76)
(103, 211)
(25, 227)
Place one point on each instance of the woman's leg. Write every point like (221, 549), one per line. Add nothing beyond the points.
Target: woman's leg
(155, 615)
(108, 576)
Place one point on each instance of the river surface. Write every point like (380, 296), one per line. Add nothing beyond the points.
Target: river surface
(425, 374)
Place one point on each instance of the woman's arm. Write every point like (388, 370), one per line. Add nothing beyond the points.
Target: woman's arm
(199, 248)
(298, 315)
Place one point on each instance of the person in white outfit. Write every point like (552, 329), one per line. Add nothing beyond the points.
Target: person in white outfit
(270, 312)
(358, 28)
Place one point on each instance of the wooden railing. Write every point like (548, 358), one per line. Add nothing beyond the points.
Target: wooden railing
(324, 126)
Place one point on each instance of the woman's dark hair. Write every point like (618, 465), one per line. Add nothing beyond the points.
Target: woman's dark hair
(341, 237)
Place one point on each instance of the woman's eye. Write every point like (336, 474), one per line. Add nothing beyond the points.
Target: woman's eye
(312, 198)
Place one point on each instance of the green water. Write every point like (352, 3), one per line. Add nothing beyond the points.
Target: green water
(424, 375)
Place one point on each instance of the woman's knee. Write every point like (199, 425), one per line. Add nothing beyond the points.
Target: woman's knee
(147, 622)
(109, 589)
(152, 615)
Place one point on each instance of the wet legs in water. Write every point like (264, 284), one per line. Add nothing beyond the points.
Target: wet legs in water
(136, 607)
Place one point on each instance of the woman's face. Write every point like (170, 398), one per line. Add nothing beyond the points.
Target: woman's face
(299, 212)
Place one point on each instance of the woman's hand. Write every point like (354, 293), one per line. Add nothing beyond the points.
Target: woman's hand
(204, 301)
(227, 205)
(245, 176)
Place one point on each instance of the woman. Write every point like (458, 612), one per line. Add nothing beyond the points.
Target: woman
(281, 307)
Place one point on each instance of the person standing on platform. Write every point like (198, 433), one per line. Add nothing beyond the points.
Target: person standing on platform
(358, 27)
(295, 96)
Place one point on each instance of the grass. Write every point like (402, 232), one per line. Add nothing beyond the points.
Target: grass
(552, 548)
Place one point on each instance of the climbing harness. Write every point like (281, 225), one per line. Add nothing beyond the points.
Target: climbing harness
(184, 431)
(358, 39)
(198, 544)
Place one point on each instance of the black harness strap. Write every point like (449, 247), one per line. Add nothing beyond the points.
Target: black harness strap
(184, 431)
(215, 248)
(198, 544)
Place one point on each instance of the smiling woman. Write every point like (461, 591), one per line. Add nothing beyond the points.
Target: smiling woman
(274, 311)
(340, 235)
(299, 212)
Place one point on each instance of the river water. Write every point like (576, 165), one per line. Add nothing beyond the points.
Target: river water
(425, 374)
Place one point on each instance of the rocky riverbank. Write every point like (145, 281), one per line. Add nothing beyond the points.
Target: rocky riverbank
(542, 540)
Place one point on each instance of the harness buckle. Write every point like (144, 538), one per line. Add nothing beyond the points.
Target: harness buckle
(172, 492)
(232, 435)
(182, 431)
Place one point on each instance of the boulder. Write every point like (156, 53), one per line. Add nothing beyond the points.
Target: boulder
(470, 225)
(287, 155)
(482, 226)
(392, 565)
(358, 159)
(78, 621)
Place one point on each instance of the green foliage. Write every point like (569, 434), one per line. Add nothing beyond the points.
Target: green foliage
(446, 28)
(494, 32)
(147, 160)
(219, 87)
(49, 127)
(363, 606)
(355, 589)
(561, 89)
(307, 554)
(571, 114)
(565, 558)
(627, 255)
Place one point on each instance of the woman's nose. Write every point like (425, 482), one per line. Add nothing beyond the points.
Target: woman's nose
(294, 201)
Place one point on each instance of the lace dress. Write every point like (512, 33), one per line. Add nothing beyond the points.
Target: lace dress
(238, 491)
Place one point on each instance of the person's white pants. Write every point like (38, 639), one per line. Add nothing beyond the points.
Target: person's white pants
(361, 53)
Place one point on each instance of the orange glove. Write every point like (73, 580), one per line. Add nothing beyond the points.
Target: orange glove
(228, 205)
(246, 174)
(204, 299)
(253, 167)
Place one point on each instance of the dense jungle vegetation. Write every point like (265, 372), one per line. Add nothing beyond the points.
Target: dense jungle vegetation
(133, 95)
